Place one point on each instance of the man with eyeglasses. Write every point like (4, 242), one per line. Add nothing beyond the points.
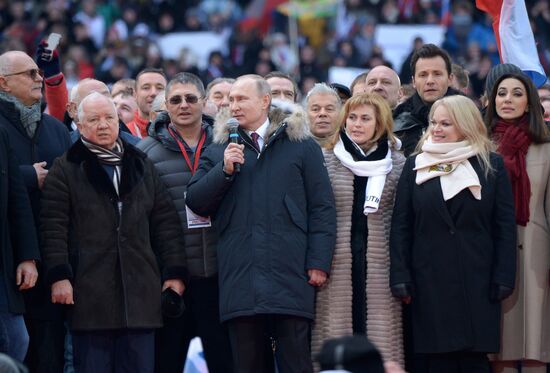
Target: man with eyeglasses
(176, 140)
(37, 139)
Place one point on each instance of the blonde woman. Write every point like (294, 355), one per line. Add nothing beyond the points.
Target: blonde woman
(453, 240)
(364, 166)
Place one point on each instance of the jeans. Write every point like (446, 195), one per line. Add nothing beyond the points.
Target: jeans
(14, 339)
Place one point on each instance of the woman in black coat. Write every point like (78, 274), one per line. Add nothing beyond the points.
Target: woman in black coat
(452, 244)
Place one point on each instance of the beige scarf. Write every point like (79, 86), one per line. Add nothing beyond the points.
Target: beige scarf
(449, 162)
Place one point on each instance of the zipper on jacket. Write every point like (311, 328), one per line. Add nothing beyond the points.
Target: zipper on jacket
(117, 204)
(203, 232)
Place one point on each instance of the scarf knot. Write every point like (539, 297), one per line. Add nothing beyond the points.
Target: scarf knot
(449, 162)
(28, 115)
(375, 170)
(109, 157)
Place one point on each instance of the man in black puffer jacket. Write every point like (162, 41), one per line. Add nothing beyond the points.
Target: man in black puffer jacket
(176, 140)
(431, 69)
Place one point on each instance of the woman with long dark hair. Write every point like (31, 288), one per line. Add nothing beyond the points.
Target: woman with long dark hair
(515, 120)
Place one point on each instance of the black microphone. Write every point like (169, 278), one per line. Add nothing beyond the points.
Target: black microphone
(233, 125)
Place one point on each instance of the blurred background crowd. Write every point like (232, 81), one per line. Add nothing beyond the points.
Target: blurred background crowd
(114, 39)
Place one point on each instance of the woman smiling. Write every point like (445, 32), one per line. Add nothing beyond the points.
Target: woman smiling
(364, 166)
(453, 239)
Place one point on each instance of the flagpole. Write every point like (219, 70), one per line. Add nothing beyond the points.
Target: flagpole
(293, 37)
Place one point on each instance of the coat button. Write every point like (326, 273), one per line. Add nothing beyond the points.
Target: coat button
(451, 231)
(520, 247)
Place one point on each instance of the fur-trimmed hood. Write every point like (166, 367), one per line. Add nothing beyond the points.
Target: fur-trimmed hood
(294, 120)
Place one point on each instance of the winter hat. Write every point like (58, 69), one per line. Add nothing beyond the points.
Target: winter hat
(343, 91)
(496, 72)
(355, 354)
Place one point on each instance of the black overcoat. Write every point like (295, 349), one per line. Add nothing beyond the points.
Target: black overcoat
(17, 231)
(108, 245)
(451, 252)
(50, 141)
(276, 219)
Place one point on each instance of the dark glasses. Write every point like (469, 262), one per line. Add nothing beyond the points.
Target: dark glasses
(33, 73)
(177, 99)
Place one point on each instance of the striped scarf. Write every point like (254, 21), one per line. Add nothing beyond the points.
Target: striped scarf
(110, 157)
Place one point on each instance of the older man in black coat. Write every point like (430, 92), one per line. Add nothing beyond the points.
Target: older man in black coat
(111, 232)
(18, 253)
(276, 222)
(36, 139)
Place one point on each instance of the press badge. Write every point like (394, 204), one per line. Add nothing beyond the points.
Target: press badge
(196, 221)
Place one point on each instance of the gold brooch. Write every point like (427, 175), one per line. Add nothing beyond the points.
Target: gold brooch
(444, 167)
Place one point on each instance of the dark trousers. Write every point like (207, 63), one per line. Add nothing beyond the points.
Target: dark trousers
(116, 351)
(46, 345)
(201, 318)
(454, 362)
(248, 342)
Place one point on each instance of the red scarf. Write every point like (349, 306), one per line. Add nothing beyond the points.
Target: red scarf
(513, 141)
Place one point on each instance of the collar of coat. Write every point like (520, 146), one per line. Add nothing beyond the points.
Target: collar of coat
(293, 123)
(133, 168)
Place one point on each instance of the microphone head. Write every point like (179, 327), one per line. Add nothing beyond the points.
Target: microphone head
(233, 124)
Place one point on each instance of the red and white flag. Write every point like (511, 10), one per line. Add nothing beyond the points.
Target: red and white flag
(515, 40)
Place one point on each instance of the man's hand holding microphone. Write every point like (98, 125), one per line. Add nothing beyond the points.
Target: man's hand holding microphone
(233, 156)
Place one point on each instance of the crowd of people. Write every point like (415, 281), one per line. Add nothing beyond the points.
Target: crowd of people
(271, 221)
(112, 40)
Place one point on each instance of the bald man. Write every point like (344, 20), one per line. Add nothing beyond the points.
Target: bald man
(78, 93)
(37, 139)
(384, 81)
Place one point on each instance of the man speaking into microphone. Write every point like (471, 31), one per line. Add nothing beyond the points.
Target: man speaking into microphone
(276, 223)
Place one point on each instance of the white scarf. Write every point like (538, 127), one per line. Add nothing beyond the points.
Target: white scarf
(376, 171)
(449, 162)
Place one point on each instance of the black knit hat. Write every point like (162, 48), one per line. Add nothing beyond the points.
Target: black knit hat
(496, 72)
(343, 91)
(355, 354)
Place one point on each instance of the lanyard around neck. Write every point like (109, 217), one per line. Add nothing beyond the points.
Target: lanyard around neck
(192, 167)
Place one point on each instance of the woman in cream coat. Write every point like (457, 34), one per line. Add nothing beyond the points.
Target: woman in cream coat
(514, 117)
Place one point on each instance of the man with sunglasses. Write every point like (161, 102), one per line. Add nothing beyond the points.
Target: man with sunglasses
(37, 139)
(176, 140)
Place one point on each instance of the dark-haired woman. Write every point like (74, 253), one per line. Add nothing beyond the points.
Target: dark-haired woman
(515, 120)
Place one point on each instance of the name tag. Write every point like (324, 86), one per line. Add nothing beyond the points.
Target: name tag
(196, 221)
